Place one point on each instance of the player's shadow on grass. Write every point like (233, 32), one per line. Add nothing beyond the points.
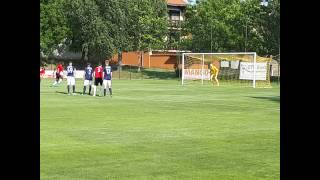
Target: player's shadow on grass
(60, 92)
(78, 93)
(272, 98)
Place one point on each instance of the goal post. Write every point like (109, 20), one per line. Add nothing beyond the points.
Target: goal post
(235, 68)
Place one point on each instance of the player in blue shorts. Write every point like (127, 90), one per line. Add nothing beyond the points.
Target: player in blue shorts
(88, 76)
(107, 76)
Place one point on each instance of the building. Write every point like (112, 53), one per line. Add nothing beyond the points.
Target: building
(176, 10)
(162, 59)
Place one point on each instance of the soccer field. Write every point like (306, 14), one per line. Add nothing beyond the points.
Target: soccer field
(158, 129)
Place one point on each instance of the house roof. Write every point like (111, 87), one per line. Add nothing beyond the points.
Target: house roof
(177, 2)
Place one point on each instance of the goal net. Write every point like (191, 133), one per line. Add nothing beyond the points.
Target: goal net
(239, 68)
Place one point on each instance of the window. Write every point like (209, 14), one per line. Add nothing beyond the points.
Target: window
(174, 15)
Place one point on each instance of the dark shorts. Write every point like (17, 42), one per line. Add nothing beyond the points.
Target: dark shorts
(98, 81)
(58, 76)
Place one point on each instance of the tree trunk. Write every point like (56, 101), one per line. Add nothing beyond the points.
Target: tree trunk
(120, 60)
(140, 60)
(84, 53)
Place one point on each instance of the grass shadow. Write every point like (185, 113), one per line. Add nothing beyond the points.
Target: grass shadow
(79, 93)
(272, 98)
(152, 74)
(60, 92)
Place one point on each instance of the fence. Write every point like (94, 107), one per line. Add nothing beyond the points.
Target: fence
(129, 72)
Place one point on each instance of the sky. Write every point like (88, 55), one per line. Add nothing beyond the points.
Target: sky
(192, 2)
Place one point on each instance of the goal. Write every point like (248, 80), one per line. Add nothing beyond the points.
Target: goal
(237, 68)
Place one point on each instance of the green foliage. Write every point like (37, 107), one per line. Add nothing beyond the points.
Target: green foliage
(148, 23)
(54, 27)
(90, 29)
(101, 28)
(231, 25)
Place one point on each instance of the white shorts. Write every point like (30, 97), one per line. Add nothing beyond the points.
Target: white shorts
(71, 80)
(107, 83)
(87, 82)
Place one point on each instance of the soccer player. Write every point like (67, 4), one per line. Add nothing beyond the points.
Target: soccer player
(98, 72)
(88, 78)
(42, 72)
(214, 71)
(59, 74)
(107, 75)
(71, 81)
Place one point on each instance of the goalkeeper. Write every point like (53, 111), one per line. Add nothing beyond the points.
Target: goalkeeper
(214, 71)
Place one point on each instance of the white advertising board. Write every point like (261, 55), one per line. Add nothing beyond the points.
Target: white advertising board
(246, 71)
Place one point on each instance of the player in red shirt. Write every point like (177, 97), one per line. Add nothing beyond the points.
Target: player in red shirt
(42, 72)
(59, 74)
(97, 74)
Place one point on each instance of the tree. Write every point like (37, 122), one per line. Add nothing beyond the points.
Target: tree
(146, 25)
(90, 29)
(101, 28)
(117, 13)
(54, 28)
(231, 25)
(213, 25)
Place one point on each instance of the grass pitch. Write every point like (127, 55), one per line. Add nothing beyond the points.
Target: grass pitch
(157, 129)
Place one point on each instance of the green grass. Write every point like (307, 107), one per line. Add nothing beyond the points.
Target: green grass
(157, 129)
